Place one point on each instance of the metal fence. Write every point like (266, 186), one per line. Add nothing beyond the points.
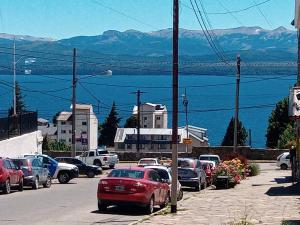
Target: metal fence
(19, 124)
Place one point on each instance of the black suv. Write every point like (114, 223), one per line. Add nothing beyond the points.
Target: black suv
(84, 169)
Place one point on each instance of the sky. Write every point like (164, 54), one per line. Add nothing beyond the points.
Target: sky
(60, 19)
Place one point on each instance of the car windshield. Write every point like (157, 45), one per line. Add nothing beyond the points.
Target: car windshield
(210, 158)
(147, 161)
(20, 162)
(185, 163)
(126, 173)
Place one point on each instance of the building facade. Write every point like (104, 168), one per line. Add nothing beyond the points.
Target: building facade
(159, 139)
(152, 115)
(86, 128)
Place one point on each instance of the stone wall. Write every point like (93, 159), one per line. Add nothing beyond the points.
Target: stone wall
(249, 153)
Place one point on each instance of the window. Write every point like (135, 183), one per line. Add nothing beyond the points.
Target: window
(145, 126)
(153, 175)
(158, 118)
(70, 139)
(63, 122)
(121, 146)
(92, 154)
(63, 131)
(129, 146)
(7, 164)
(70, 131)
(83, 123)
(136, 174)
(83, 132)
(145, 118)
(162, 146)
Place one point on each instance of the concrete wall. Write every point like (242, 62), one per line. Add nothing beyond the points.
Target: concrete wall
(249, 153)
(24, 144)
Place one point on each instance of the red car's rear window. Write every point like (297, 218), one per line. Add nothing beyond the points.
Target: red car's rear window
(126, 173)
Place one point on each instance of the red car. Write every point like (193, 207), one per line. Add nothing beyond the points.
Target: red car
(10, 175)
(136, 185)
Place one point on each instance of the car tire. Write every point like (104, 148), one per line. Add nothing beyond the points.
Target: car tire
(198, 186)
(36, 184)
(204, 185)
(102, 206)
(98, 163)
(283, 166)
(180, 195)
(90, 174)
(150, 206)
(21, 184)
(47, 184)
(63, 177)
(6, 188)
(111, 166)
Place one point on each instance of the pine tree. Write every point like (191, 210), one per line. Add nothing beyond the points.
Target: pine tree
(229, 135)
(278, 122)
(109, 128)
(131, 122)
(20, 105)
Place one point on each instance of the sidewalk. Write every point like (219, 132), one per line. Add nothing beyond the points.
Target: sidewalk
(265, 199)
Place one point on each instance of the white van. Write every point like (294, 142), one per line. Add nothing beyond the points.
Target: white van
(283, 161)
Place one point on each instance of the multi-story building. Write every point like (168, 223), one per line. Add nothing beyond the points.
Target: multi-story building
(159, 139)
(152, 115)
(86, 128)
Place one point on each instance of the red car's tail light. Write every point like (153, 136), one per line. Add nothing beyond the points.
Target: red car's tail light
(138, 187)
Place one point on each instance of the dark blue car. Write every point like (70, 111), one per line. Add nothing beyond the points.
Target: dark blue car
(35, 174)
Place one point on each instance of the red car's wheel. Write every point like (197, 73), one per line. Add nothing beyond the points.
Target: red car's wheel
(6, 188)
(150, 206)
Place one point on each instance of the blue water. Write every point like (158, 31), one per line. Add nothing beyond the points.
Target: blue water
(204, 93)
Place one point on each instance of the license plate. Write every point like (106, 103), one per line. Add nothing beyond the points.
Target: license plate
(119, 188)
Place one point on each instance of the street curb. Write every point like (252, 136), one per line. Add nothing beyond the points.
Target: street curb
(150, 216)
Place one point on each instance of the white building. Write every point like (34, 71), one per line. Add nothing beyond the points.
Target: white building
(152, 115)
(158, 139)
(86, 126)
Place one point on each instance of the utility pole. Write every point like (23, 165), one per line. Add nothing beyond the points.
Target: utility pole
(74, 81)
(236, 116)
(138, 104)
(185, 104)
(175, 108)
(14, 68)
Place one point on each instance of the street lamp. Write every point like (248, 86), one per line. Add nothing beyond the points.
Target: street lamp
(27, 71)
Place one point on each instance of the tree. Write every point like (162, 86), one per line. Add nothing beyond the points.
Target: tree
(109, 128)
(131, 122)
(45, 145)
(287, 138)
(20, 104)
(278, 122)
(229, 135)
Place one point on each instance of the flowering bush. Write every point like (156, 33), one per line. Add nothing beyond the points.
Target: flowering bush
(234, 169)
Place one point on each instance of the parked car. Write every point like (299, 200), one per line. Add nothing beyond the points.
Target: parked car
(283, 161)
(149, 162)
(99, 157)
(64, 172)
(191, 174)
(35, 174)
(84, 169)
(165, 174)
(209, 157)
(10, 176)
(138, 186)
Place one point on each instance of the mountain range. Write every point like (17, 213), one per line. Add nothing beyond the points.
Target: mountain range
(135, 52)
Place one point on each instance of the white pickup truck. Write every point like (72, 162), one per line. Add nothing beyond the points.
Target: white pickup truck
(99, 157)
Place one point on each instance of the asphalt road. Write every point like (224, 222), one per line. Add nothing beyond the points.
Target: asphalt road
(62, 204)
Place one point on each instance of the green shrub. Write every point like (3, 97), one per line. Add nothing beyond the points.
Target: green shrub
(254, 169)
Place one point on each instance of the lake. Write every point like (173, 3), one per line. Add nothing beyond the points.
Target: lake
(211, 98)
